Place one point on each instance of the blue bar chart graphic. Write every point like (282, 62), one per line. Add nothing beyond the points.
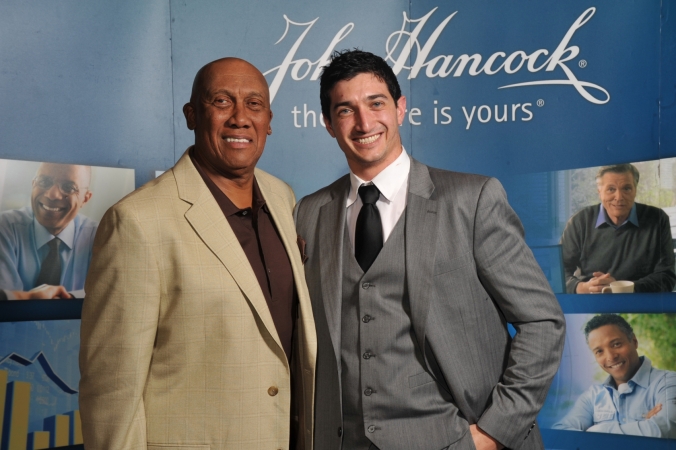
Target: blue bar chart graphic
(38, 385)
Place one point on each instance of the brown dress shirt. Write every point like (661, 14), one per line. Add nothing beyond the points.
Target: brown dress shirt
(260, 240)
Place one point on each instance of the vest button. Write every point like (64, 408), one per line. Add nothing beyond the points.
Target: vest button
(367, 355)
(340, 431)
(365, 285)
(371, 429)
(368, 391)
(272, 391)
(366, 318)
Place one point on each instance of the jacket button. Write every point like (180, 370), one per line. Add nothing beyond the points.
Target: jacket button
(371, 429)
(368, 391)
(366, 318)
(272, 391)
(340, 431)
(367, 355)
(365, 285)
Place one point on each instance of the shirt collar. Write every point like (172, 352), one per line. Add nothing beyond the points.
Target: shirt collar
(42, 236)
(641, 377)
(227, 206)
(388, 181)
(603, 218)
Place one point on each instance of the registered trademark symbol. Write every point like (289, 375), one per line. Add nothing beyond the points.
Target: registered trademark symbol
(540, 103)
(582, 63)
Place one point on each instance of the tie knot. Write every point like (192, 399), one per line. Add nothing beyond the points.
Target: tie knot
(369, 194)
(54, 244)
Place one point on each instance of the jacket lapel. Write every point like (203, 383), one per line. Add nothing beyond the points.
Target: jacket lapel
(331, 231)
(208, 221)
(287, 231)
(421, 235)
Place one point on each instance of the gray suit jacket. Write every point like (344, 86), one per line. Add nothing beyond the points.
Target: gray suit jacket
(469, 273)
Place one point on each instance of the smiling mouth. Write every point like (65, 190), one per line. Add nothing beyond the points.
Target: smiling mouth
(50, 208)
(238, 140)
(615, 366)
(369, 140)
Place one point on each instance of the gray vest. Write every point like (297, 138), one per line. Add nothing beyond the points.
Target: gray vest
(388, 396)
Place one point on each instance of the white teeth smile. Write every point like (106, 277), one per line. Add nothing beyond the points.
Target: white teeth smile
(50, 209)
(614, 366)
(368, 140)
(235, 140)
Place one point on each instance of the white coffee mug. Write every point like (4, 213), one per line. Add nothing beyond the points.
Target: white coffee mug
(619, 287)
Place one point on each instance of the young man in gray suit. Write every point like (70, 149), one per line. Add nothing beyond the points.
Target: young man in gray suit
(414, 273)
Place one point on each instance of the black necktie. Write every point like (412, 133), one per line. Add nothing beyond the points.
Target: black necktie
(368, 236)
(50, 272)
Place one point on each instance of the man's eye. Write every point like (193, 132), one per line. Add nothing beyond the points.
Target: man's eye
(69, 188)
(377, 104)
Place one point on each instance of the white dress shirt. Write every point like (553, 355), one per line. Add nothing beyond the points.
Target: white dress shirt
(392, 183)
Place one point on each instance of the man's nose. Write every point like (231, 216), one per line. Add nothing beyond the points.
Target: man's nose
(363, 121)
(239, 117)
(53, 192)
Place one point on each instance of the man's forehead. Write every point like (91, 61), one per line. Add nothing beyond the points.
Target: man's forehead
(364, 84)
(605, 333)
(611, 177)
(57, 169)
(234, 77)
(63, 171)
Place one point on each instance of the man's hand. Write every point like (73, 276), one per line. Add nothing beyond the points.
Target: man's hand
(482, 441)
(596, 284)
(653, 411)
(43, 292)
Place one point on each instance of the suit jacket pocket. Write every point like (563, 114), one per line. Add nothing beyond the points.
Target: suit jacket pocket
(419, 379)
(179, 446)
(444, 265)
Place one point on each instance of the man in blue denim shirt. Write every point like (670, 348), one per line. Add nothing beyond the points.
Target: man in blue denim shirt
(635, 399)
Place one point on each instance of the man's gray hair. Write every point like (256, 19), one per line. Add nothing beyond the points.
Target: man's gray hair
(618, 168)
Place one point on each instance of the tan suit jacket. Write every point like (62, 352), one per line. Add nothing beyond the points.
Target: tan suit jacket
(178, 347)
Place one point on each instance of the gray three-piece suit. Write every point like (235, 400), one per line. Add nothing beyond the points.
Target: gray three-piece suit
(416, 349)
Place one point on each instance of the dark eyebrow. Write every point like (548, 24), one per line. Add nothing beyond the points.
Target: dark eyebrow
(370, 97)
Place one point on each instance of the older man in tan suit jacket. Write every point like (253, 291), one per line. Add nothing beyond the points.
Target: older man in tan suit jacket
(193, 335)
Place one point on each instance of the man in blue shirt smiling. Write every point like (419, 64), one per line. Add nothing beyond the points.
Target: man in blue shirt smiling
(45, 250)
(636, 398)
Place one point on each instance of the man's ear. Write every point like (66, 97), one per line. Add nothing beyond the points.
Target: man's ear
(401, 109)
(269, 125)
(329, 128)
(189, 113)
(87, 196)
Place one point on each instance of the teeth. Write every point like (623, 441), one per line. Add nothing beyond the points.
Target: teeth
(51, 209)
(368, 140)
(235, 140)
(615, 365)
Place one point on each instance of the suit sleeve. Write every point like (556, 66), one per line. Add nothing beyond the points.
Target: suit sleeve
(119, 325)
(510, 274)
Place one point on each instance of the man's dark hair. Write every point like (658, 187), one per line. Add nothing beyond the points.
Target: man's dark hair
(608, 319)
(618, 168)
(346, 65)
